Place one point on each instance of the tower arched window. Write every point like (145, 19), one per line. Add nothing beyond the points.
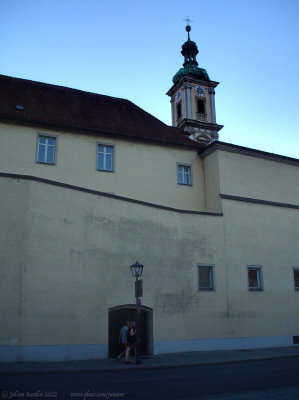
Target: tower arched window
(179, 110)
(200, 106)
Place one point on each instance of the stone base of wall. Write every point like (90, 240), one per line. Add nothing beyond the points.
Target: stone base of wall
(176, 346)
(53, 353)
(100, 351)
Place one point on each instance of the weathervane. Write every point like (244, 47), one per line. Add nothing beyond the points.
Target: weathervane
(188, 27)
(188, 20)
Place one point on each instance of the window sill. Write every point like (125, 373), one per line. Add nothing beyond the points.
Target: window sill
(105, 170)
(45, 162)
(185, 184)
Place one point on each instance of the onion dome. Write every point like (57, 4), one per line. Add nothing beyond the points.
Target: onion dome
(190, 66)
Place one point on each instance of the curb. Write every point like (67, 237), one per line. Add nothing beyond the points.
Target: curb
(133, 367)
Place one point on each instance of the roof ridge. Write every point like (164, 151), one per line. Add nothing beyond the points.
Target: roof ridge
(54, 85)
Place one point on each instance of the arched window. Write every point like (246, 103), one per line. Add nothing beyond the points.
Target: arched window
(200, 106)
(179, 110)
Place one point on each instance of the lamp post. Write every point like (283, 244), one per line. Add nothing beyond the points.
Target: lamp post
(137, 269)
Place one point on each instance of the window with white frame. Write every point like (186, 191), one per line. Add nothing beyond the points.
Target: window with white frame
(46, 149)
(184, 174)
(206, 277)
(105, 157)
(255, 281)
(296, 278)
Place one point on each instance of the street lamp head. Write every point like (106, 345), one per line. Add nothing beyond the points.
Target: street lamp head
(136, 269)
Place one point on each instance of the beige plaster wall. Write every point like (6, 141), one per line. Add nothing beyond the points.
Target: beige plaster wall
(212, 183)
(143, 171)
(266, 236)
(66, 255)
(258, 178)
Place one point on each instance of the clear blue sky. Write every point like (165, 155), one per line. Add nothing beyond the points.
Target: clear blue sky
(131, 49)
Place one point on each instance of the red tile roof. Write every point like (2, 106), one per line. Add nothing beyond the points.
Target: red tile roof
(62, 107)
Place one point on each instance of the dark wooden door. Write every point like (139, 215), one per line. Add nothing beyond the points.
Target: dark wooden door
(117, 319)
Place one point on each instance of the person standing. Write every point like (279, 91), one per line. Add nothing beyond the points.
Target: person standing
(131, 341)
(122, 340)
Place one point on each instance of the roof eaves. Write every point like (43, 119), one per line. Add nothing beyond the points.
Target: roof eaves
(234, 148)
(80, 129)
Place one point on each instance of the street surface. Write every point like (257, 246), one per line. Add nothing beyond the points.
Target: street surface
(261, 380)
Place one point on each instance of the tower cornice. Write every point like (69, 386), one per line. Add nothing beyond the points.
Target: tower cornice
(180, 83)
(204, 125)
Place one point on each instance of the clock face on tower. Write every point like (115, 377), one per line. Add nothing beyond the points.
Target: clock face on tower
(178, 96)
(200, 91)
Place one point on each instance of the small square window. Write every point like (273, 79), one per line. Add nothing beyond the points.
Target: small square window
(46, 149)
(206, 277)
(296, 278)
(254, 278)
(105, 157)
(184, 174)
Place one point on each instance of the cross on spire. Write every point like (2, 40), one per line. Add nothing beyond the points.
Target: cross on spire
(188, 27)
(188, 20)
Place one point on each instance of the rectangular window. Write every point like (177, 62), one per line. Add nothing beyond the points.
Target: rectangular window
(184, 173)
(296, 278)
(46, 149)
(105, 157)
(254, 277)
(206, 277)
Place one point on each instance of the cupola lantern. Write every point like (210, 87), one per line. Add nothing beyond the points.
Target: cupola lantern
(192, 97)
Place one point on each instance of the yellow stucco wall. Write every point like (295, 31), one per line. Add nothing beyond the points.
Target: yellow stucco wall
(64, 254)
(252, 177)
(264, 236)
(143, 172)
(65, 257)
(212, 183)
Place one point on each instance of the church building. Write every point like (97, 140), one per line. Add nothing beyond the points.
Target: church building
(90, 183)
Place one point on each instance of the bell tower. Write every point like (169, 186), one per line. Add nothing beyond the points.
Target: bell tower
(193, 97)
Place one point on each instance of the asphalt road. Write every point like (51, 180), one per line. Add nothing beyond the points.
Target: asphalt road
(261, 380)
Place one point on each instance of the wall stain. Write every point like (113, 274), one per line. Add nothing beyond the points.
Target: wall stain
(236, 314)
(181, 303)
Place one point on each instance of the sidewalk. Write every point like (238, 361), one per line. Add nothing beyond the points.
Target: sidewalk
(173, 360)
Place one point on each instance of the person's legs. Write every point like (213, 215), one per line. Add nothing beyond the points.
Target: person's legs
(123, 351)
(128, 353)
